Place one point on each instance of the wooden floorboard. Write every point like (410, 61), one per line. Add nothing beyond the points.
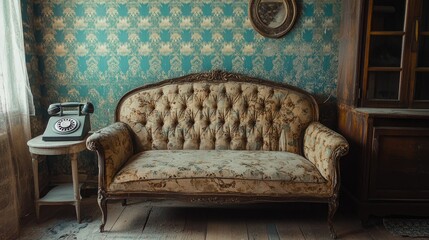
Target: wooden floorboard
(143, 220)
(226, 230)
(59, 222)
(289, 228)
(315, 229)
(91, 215)
(114, 211)
(130, 223)
(196, 224)
(259, 224)
(225, 224)
(257, 230)
(348, 227)
(165, 223)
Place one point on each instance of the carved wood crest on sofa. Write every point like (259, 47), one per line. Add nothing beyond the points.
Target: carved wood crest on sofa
(219, 138)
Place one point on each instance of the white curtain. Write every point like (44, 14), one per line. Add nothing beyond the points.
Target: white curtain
(16, 105)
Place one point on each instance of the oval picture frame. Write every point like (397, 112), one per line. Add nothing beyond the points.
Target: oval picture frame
(272, 18)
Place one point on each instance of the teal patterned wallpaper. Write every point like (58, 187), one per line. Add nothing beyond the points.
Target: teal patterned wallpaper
(97, 50)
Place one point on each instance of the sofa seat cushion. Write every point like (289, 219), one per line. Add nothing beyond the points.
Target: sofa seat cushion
(219, 171)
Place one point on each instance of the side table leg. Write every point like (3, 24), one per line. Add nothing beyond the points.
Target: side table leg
(75, 176)
(35, 162)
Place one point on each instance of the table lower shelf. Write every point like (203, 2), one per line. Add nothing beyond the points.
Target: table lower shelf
(60, 194)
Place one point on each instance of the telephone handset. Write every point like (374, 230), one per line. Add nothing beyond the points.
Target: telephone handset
(68, 125)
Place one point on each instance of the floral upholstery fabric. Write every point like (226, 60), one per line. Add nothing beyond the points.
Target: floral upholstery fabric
(115, 145)
(220, 171)
(210, 137)
(218, 115)
(220, 138)
(322, 147)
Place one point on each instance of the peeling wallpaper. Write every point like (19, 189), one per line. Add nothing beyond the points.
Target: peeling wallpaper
(97, 50)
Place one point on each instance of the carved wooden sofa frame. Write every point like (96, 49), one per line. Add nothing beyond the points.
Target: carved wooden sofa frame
(289, 116)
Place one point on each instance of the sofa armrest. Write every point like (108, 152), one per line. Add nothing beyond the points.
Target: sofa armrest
(323, 147)
(114, 146)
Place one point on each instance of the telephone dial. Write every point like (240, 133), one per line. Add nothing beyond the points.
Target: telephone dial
(70, 125)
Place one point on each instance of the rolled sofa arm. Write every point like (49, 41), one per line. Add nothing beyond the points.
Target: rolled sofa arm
(114, 146)
(323, 147)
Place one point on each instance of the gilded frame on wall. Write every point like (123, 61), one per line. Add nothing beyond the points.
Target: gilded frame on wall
(272, 18)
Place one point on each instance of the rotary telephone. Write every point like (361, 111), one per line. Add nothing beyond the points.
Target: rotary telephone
(68, 125)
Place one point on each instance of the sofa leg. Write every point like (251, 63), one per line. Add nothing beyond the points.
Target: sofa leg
(102, 203)
(124, 202)
(333, 206)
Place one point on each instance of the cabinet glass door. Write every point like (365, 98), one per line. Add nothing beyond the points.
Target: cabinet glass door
(384, 64)
(421, 70)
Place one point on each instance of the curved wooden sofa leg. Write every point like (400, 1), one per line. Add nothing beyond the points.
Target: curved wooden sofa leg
(332, 208)
(102, 203)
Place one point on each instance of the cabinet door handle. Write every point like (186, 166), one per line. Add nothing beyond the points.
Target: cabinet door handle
(417, 30)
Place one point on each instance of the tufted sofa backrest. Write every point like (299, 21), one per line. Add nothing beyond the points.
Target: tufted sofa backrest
(218, 110)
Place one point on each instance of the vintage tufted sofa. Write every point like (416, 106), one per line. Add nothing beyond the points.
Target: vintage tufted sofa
(218, 138)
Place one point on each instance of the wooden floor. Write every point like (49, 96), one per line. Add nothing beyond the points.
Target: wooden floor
(143, 220)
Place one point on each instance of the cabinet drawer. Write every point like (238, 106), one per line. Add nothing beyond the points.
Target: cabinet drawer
(399, 166)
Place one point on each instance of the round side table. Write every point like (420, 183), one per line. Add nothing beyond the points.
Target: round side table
(62, 194)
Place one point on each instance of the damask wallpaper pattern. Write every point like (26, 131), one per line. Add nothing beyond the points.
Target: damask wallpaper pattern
(97, 50)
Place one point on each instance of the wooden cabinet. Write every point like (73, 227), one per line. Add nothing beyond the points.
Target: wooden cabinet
(401, 169)
(383, 105)
(387, 169)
